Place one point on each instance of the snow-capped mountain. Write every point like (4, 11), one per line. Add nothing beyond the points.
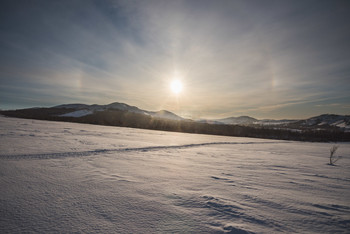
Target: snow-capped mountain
(319, 128)
(78, 113)
(326, 120)
(322, 121)
(96, 107)
(124, 107)
(80, 110)
(341, 121)
(120, 113)
(76, 106)
(267, 122)
(166, 115)
(244, 120)
(247, 120)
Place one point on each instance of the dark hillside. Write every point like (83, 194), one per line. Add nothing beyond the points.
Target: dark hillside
(135, 120)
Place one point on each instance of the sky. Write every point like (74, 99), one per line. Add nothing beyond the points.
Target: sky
(265, 59)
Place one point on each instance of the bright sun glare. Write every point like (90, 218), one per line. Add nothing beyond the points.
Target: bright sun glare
(176, 86)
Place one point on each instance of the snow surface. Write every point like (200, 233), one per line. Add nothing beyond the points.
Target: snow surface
(68, 177)
(166, 115)
(78, 113)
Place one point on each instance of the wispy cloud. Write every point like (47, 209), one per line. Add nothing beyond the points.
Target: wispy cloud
(234, 57)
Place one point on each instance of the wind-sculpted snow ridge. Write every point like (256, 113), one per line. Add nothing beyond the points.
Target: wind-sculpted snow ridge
(228, 210)
(140, 149)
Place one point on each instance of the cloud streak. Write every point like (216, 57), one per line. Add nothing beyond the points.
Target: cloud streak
(268, 59)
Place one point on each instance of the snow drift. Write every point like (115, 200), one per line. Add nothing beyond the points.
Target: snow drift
(68, 177)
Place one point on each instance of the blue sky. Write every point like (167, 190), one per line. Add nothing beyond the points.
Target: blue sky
(266, 59)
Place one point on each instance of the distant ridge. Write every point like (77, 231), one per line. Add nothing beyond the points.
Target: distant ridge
(72, 106)
(238, 120)
(166, 114)
(321, 121)
(324, 121)
(327, 127)
(341, 121)
(79, 110)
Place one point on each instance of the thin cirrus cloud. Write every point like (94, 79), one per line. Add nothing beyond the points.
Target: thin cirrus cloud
(268, 59)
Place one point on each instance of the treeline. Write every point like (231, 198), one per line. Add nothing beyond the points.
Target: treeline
(135, 120)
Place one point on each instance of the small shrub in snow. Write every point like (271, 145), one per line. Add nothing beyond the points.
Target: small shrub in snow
(332, 157)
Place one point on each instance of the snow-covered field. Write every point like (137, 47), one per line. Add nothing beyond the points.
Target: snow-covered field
(67, 177)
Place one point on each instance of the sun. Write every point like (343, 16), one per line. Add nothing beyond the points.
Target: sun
(176, 86)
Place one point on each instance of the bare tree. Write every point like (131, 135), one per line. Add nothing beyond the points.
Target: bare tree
(332, 157)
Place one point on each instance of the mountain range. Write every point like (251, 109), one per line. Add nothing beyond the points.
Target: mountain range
(319, 128)
(79, 110)
(321, 121)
